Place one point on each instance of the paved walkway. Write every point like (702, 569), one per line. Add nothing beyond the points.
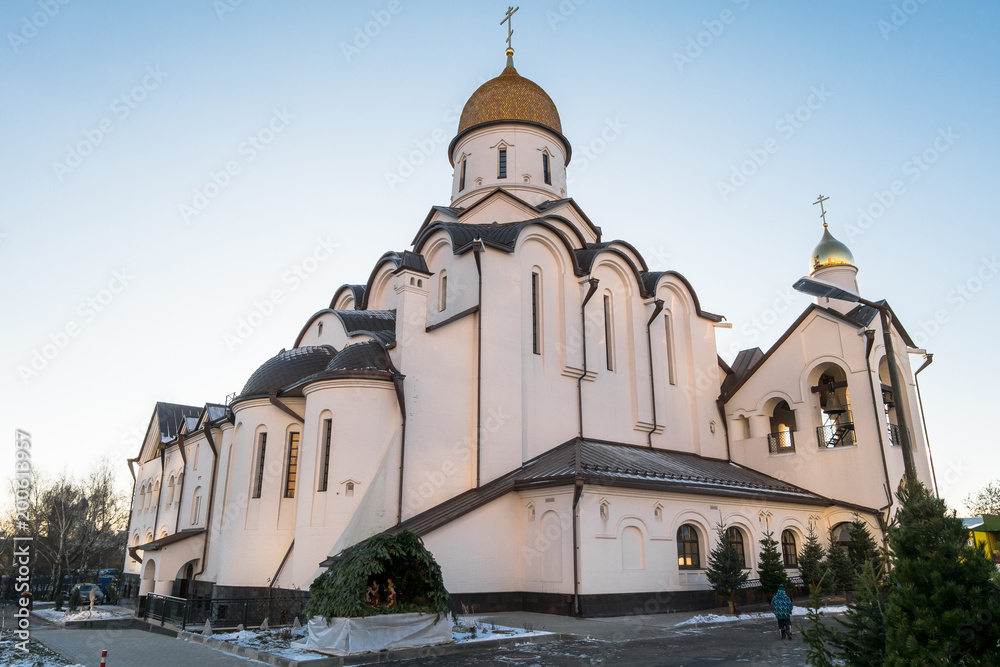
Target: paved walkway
(132, 648)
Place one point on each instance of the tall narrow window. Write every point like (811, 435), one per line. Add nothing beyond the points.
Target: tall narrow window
(197, 450)
(461, 177)
(502, 167)
(328, 431)
(609, 340)
(258, 480)
(196, 507)
(536, 334)
(293, 464)
(789, 554)
(443, 293)
(669, 331)
(546, 174)
(735, 537)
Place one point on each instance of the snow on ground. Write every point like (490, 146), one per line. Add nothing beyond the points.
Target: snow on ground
(473, 629)
(62, 617)
(717, 618)
(279, 641)
(36, 656)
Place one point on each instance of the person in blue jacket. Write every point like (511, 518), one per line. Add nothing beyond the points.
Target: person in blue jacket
(783, 612)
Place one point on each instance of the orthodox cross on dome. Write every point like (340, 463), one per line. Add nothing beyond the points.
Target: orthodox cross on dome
(822, 214)
(510, 24)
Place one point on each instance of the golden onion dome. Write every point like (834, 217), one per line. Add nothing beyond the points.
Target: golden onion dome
(509, 97)
(831, 252)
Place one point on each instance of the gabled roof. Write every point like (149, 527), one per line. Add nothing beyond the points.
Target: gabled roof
(859, 317)
(618, 465)
(461, 212)
(744, 362)
(171, 416)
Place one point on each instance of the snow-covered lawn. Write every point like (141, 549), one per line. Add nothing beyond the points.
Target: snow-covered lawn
(716, 618)
(37, 656)
(83, 614)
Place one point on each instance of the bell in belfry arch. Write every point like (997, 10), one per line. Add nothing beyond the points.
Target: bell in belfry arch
(833, 405)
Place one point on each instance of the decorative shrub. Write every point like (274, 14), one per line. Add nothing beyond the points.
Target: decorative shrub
(345, 589)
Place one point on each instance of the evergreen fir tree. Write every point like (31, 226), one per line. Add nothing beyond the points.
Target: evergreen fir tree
(725, 570)
(862, 641)
(771, 569)
(942, 607)
(840, 567)
(862, 549)
(811, 561)
(817, 636)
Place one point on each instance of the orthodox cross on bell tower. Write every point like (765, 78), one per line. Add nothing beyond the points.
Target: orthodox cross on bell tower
(822, 214)
(510, 24)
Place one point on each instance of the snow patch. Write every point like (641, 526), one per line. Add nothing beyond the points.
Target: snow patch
(717, 618)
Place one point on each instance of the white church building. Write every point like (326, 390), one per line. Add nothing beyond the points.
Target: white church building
(550, 414)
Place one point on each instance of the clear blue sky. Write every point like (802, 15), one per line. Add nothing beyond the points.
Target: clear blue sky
(117, 113)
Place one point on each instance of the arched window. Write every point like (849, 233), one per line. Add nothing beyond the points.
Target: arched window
(258, 475)
(789, 552)
(292, 465)
(442, 291)
(319, 329)
(142, 498)
(841, 534)
(735, 537)
(688, 555)
(197, 450)
(461, 177)
(780, 439)
(536, 312)
(609, 333)
(171, 488)
(196, 507)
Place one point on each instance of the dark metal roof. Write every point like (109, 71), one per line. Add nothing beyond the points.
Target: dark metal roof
(379, 324)
(502, 236)
(618, 465)
(156, 545)
(358, 291)
(744, 362)
(413, 261)
(586, 256)
(368, 359)
(170, 416)
(651, 278)
(217, 412)
(285, 369)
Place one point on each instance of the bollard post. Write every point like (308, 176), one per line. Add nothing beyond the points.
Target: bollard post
(104, 656)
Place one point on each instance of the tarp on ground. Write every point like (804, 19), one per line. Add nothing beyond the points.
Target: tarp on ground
(345, 636)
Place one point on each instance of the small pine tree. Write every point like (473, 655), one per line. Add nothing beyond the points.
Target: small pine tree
(725, 570)
(811, 561)
(816, 635)
(942, 607)
(841, 569)
(771, 569)
(862, 641)
(862, 549)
